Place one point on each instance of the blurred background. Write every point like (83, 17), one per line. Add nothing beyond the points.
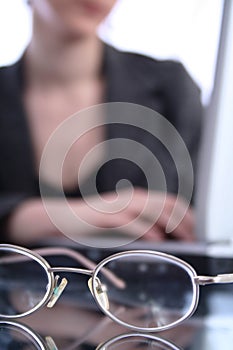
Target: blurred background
(198, 33)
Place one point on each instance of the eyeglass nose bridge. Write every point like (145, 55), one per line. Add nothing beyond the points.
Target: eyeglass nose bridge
(101, 292)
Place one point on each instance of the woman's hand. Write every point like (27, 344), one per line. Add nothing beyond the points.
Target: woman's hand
(135, 212)
(150, 215)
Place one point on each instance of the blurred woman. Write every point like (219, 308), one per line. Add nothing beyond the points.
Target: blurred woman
(65, 69)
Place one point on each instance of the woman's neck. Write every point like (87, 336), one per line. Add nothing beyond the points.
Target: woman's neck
(55, 59)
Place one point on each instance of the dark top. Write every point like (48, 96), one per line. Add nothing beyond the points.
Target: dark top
(163, 86)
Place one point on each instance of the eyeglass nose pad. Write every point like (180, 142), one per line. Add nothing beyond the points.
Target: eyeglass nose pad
(57, 291)
(50, 343)
(101, 290)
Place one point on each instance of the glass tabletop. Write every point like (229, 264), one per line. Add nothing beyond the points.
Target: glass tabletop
(76, 323)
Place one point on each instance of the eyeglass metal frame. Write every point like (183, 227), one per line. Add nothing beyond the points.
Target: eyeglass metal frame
(95, 290)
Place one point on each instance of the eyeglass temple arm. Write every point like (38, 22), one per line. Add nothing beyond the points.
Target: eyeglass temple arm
(53, 251)
(67, 252)
(203, 280)
(81, 259)
(87, 263)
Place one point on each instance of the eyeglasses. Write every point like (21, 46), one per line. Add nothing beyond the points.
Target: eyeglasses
(144, 290)
(17, 335)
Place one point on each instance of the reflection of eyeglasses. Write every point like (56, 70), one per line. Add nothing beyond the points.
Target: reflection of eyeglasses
(143, 290)
(17, 335)
(137, 341)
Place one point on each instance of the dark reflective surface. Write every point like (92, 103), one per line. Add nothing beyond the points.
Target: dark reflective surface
(76, 323)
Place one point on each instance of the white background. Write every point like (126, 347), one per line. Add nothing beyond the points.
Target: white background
(187, 30)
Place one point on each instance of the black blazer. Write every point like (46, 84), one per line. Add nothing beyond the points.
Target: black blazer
(163, 86)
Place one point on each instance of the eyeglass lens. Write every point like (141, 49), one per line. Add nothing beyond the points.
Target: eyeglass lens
(23, 283)
(157, 292)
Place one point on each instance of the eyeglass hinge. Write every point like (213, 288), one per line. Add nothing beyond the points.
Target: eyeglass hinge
(203, 280)
(223, 278)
